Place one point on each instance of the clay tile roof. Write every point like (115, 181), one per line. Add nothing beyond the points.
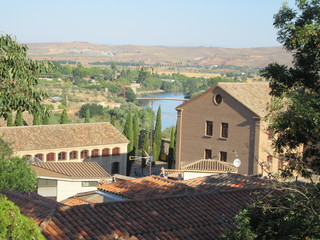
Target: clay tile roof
(204, 216)
(61, 136)
(209, 165)
(255, 96)
(145, 187)
(32, 204)
(227, 182)
(69, 170)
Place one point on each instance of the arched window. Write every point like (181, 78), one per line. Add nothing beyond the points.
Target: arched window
(50, 157)
(73, 155)
(105, 152)
(84, 154)
(116, 151)
(115, 167)
(39, 156)
(62, 156)
(95, 153)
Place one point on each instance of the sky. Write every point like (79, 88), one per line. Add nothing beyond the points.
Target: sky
(212, 23)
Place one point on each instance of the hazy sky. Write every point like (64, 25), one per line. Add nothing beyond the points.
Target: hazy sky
(218, 23)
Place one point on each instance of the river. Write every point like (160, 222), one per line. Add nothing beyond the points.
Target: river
(168, 111)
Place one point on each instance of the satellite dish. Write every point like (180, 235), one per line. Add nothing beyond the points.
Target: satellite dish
(237, 162)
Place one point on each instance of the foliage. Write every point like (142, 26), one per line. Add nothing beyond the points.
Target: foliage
(19, 79)
(294, 214)
(64, 117)
(128, 132)
(87, 119)
(295, 117)
(14, 225)
(171, 157)
(19, 120)
(95, 110)
(9, 120)
(36, 119)
(136, 134)
(157, 137)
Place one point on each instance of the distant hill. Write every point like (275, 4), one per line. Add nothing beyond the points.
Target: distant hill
(208, 56)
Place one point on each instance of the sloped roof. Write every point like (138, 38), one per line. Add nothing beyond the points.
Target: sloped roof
(208, 165)
(204, 216)
(145, 187)
(61, 135)
(227, 182)
(32, 205)
(84, 170)
(255, 96)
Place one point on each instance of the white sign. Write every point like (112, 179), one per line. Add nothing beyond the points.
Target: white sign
(237, 162)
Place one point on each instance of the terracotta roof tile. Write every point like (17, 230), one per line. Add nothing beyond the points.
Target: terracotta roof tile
(70, 169)
(61, 135)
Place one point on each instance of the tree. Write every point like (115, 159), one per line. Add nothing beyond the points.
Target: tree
(64, 117)
(87, 119)
(16, 174)
(295, 122)
(19, 79)
(36, 119)
(14, 225)
(19, 120)
(136, 134)
(9, 120)
(157, 137)
(145, 149)
(128, 132)
(171, 157)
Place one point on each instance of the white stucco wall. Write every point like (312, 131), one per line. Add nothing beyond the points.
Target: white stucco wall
(189, 175)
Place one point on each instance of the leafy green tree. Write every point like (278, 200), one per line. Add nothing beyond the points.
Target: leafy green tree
(113, 121)
(128, 132)
(87, 119)
(95, 110)
(36, 119)
(9, 120)
(64, 117)
(157, 137)
(19, 120)
(136, 134)
(19, 79)
(294, 119)
(14, 225)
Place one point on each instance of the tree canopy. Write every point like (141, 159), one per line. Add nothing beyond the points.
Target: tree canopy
(19, 79)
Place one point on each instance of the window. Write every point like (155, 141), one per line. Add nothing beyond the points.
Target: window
(217, 99)
(89, 184)
(95, 153)
(115, 167)
(223, 156)
(27, 156)
(47, 183)
(105, 152)
(224, 130)
(208, 153)
(62, 156)
(73, 155)
(84, 153)
(39, 156)
(280, 163)
(116, 151)
(209, 128)
(50, 157)
(269, 162)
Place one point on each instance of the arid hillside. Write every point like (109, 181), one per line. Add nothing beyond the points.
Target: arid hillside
(208, 56)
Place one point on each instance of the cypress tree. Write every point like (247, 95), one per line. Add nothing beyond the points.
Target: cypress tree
(135, 135)
(36, 119)
(128, 132)
(9, 120)
(64, 117)
(19, 120)
(157, 137)
(87, 119)
(171, 149)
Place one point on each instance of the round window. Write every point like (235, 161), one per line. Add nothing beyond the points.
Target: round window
(218, 99)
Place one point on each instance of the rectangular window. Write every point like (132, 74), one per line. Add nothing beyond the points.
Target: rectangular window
(47, 183)
(208, 153)
(223, 156)
(280, 163)
(269, 162)
(89, 184)
(224, 130)
(209, 128)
